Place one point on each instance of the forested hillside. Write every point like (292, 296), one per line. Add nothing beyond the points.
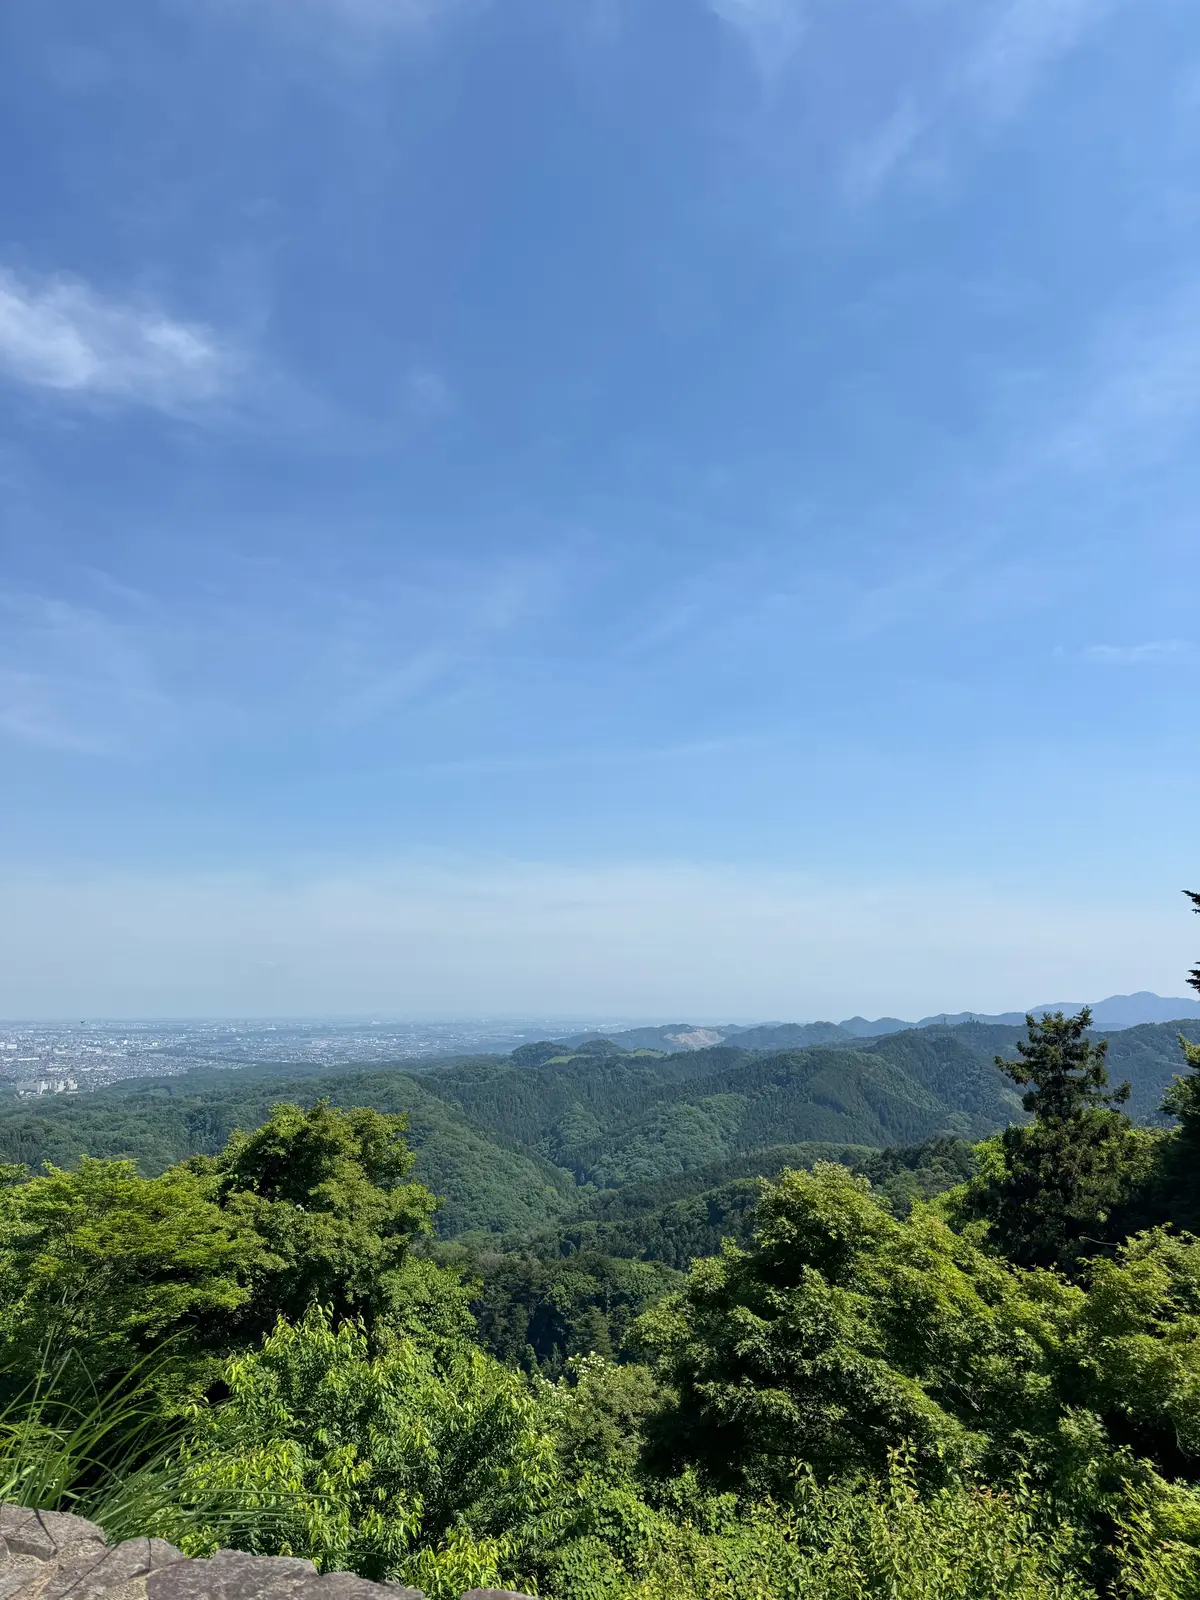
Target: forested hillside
(482, 1184)
(513, 1144)
(941, 1370)
(604, 1154)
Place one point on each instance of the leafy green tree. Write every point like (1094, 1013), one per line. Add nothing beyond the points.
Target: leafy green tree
(539, 1314)
(404, 1463)
(844, 1334)
(1181, 1160)
(1135, 1350)
(889, 1539)
(106, 1265)
(313, 1207)
(326, 1192)
(598, 1410)
(1053, 1194)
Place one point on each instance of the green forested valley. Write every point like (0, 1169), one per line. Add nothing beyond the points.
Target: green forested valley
(876, 1319)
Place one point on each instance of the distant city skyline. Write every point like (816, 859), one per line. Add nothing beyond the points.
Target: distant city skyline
(40, 1057)
(601, 509)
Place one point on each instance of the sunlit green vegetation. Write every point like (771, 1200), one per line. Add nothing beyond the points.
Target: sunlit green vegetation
(896, 1323)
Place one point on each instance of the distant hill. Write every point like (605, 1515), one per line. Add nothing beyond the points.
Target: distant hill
(522, 1144)
(485, 1185)
(1131, 1010)
(614, 1118)
(1148, 1057)
(789, 1036)
(672, 1037)
(1116, 1012)
(860, 1028)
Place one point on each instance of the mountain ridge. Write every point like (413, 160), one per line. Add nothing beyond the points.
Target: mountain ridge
(1116, 1012)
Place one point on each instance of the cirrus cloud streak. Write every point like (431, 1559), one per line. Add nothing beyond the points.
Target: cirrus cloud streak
(62, 335)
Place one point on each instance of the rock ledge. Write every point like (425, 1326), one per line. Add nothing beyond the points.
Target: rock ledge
(50, 1555)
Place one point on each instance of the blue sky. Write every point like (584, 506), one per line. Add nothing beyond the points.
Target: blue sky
(684, 509)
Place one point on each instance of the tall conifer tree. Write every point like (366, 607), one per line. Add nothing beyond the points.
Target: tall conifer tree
(1182, 1100)
(1066, 1171)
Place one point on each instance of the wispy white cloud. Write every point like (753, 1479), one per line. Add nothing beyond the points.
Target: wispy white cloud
(395, 16)
(1015, 47)
(770, 29)
(246, 650)
(60, 334)
(427, 393)
(1139, 391)
(72, 678)
(1152, 652)
(455, 619)
(874, 161)
(1022, 42)
(597, 757)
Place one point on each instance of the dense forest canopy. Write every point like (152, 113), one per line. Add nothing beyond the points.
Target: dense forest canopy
(905, 1317)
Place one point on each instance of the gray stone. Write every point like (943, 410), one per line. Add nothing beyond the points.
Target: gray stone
(495, 1594)
(230, 1575)
(163, 1554)
(22, 1574)
(67, 1531)
(50, 1555)
(24, 1534)
(45, 1534)
(45, 1548)
(76, 1572)
(346, 1586)
(113, 1571)
(299, 1564)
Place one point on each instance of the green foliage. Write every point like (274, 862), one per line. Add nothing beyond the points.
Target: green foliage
(958, 1066)
(636, 1200)
(482, 1185)
(412, 1463)
(845, 1333)
(1064, 1067)
(538, 1314)
(672, 1234)
(540, 1108)
(1053, 1195)
(1181, 1165)
(536, 1055)
(61, 1453)
(110, 1455)
(1137, 1348)
(822, 1093)
(598, 1411)
(869, 1540)
(1154, 1564)
(669, 1138)
(842, 1335)
(324, 1191)
(902, 1176)
(615, 1119)
(107, 1265)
